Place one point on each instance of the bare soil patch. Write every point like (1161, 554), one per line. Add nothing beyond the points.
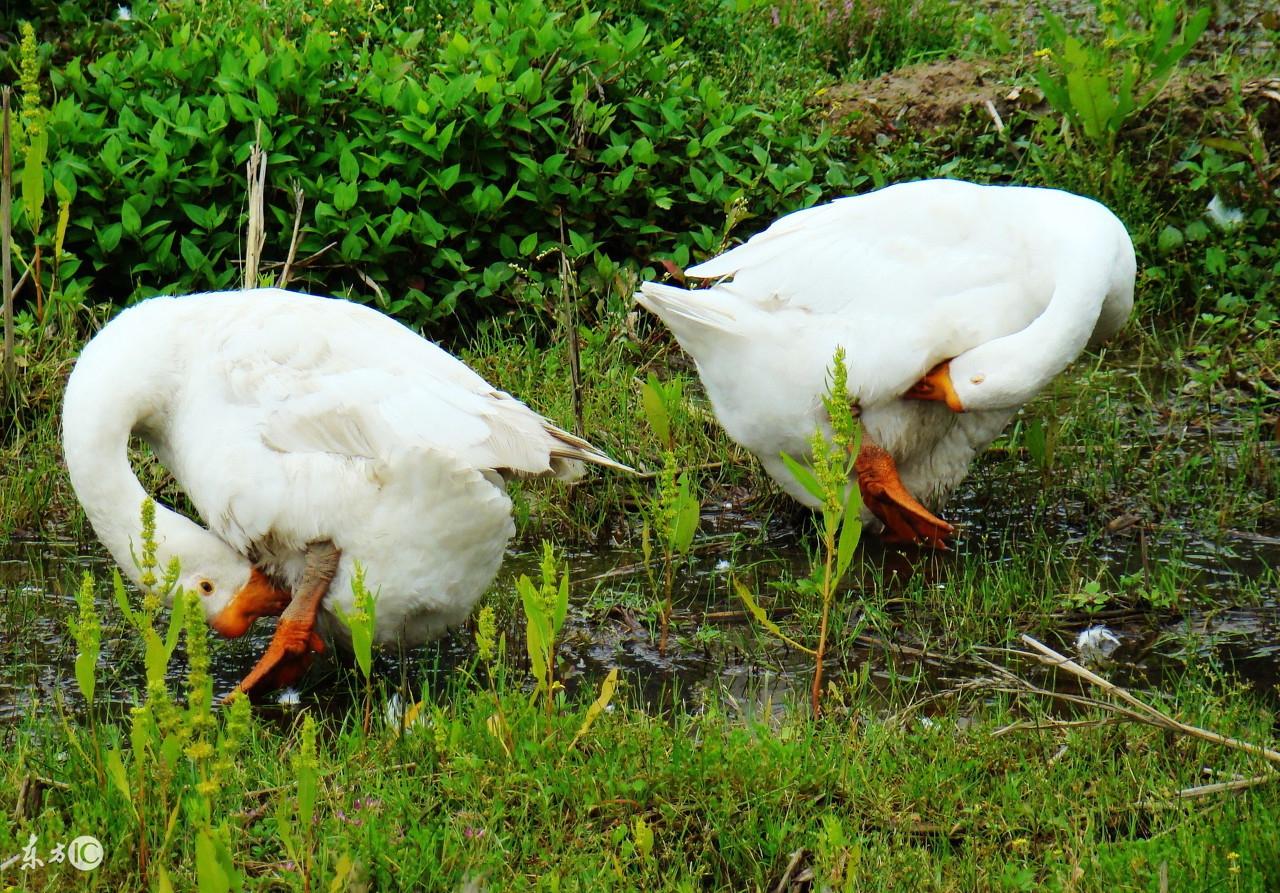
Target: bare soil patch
(950, 92)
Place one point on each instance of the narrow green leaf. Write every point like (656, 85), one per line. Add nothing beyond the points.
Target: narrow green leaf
(210, 878)
(805, 477)
(536, 622)
(688, 515)
(763, 619)
(119, 776)
(561, 606)
(122, 599)
(86, 674)
(607, 688)
(850, 530)
(655, 409)
(177, 616)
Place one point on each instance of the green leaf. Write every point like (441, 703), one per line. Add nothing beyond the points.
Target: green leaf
(622, 182)
(119, 776)
(642, 151)
(1170, 238)
(655, 409)
(109, 237)
(192, 256)
(1036, 441)
(1215, 260)
(688, 515)
(536, 622)
(763, 619)
(446, 178)
(850, 530)
(210, 876)
(122, 599)
(267, 101)
(345, 195)
(130, 219)
(552, 164)
(642, 834)
(560, 609)
(86, 674)
(170, 750)
(177, 616)
(607, 688)
(805, 477)
(197, 214)
(348, 167)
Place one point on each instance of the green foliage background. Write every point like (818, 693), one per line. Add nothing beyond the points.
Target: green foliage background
(444, 152)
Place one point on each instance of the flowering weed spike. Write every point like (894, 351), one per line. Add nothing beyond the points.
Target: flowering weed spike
(29, 83)
(86, 629)
(486, 635)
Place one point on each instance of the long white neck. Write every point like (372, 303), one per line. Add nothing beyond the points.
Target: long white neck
(114, 389)
(1092, 277)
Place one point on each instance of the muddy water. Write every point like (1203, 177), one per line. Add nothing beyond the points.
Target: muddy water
(713, 648)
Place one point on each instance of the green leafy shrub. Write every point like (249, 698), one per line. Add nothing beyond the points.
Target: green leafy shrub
(1222, 238)
(441, 154)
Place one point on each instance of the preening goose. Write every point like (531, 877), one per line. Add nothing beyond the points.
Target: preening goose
(956, 303)
(310, 434)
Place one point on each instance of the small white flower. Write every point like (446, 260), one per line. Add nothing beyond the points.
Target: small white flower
(723, 564)
(289, 698)
(1223, 216)
(1096, 644)
(124, 14)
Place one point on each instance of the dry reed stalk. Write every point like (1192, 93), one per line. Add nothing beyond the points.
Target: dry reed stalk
(293, 240)
(1143, 711)
(569, 302)
(256, 234)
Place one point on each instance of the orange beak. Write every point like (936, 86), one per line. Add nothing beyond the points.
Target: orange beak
(936, 385)
(258, 598)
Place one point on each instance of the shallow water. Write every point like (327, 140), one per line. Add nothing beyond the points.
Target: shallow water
(714, 650)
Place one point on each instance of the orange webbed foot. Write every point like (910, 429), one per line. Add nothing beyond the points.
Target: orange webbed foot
(287, 658)
(905, 519)
(296, 642)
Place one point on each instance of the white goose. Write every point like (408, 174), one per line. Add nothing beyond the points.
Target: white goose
(309, 434)
(967, 298)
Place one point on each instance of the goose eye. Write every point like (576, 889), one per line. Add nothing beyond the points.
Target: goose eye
(206, 587)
